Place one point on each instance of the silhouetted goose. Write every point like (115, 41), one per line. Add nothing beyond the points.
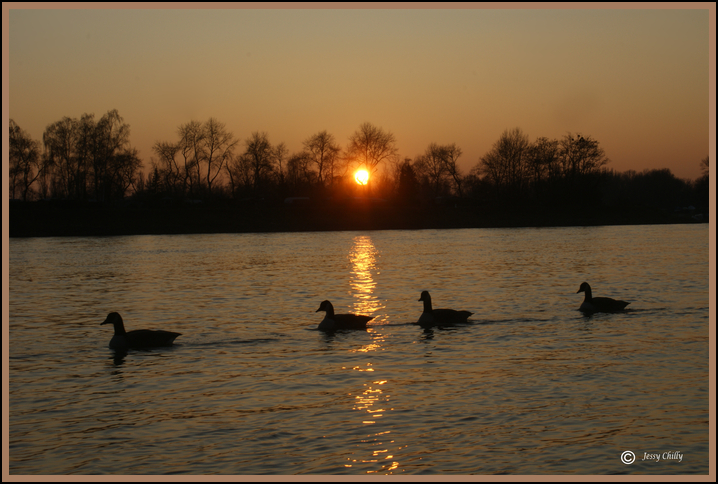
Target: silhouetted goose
(340, 321)
(138, 338)
(440, 316)
(599, 304)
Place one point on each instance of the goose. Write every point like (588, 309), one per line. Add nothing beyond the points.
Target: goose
(599, 304)
(340, 321)
(432, 316)
(138, 338)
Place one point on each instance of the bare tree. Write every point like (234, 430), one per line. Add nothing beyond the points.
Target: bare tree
(299, 170)
(253, 168)
(84, 146)
(60, 155)
(580, 155)
(169, 176)
(505, 164)
(240, 173)
(83, 156)
(280, 153)
(369, 146)
(431, 165)
(451, 154)
(439, 165)
(218, 145)
(190, 149)
(201, 155)
(261, 156)
(323, 151)
(25, 162)
(543, 160)
(124, 172)
(405, 180)
(111, 141)
(705, 169)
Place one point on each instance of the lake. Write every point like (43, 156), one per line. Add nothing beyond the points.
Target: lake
(529, 386)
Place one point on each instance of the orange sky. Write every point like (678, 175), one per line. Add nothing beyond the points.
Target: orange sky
(635, 80)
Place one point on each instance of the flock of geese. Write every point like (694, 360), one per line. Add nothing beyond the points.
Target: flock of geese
(147, 338)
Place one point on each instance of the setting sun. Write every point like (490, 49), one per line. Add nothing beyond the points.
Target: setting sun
(361, 177)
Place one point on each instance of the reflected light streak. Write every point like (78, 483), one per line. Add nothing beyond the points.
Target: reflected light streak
(368, 348)
(363, 260)
(363, 256)
(373, 402)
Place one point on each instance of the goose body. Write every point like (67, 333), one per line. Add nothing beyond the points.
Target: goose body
(138, 338)
(333, 321)
(432, 316)
(599, 304)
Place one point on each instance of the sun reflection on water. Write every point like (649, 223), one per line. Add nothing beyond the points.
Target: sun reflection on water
(373, 402)
(363, 259)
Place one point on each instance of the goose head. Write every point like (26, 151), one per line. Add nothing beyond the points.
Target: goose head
(326, 306)
(425, 296)
(584, 288)
(115, 320)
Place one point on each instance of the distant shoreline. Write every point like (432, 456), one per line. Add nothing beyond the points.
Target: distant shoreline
(67, 219)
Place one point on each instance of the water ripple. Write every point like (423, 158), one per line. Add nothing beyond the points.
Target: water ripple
(529, 386)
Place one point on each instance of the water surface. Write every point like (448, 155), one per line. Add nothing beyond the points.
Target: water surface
(529, 386)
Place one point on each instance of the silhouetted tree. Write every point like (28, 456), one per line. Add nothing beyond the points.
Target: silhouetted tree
(580, 155)
(84, 156)
(124, 172)
(197, 160)
(431, 164)
(407, 182)
(299, 169)
(171, 178)
(383, 183)
(451, 154)
(297, 176)
(476, 186)
(657, 188)
(701, 186)
(154, 181)
(543, 160)
(505, 165)
(705, 169)
(217, 145)
(323, 152)
(114, 164)
(25, 161)
(190, 150)
(261, 156)
(240, 174)
(61, 159)
(84, 146)
(369, 146)
(280, 153)
(111, 136)
(543, 169)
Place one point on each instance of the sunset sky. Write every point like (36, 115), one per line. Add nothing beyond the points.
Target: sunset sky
(635, 80)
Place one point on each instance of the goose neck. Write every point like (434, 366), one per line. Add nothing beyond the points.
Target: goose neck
(427, 305)
(330, 310)
(119, 327)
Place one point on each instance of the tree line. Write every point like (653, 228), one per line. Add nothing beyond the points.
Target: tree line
(78, 159)
(87, 159)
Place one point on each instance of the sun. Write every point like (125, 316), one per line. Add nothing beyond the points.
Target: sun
(361, 177)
